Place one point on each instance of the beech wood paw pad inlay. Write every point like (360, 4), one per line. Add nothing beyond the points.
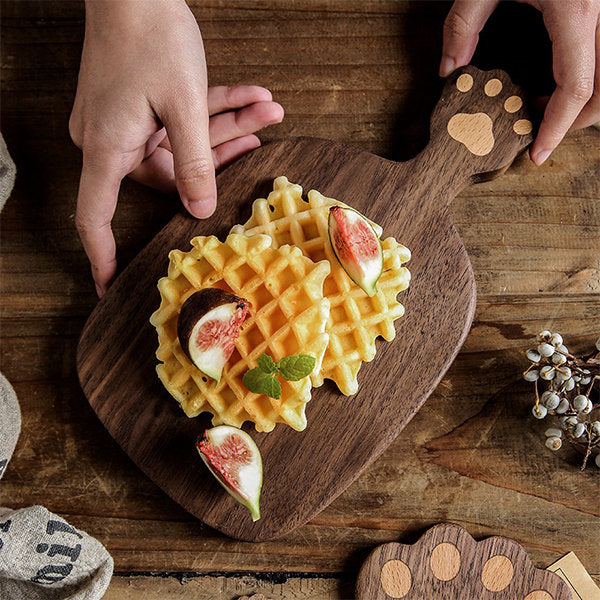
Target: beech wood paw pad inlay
(447, 563)
(490, 107)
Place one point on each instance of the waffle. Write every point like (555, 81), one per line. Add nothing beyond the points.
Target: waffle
(356, 320)
(288, 315)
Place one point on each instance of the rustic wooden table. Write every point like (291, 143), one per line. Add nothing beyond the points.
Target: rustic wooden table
(357, 71)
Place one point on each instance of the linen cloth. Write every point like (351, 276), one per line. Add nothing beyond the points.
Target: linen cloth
(41, 556)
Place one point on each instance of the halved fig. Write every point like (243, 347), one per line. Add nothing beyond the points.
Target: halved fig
(356, 247)
(207, 327)
(234, 459)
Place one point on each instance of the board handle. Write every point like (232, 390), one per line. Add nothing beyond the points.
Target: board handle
(479, 126)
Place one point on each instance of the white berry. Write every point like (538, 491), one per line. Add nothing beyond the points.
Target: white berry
(572, 420)
(539, 412)
(545, 349)
(580, 402)
(547, 373)
(569, 384)
(550, 400)
(585, 380)
(556, 339)
(559, 359)
(579, 430)
(563, 407)
(588, 409)
(597, 460)
(596, 427)
(562, 348)
(554, 443)
(533, 355)
(553, 432)
(532, 375)
(544, 335)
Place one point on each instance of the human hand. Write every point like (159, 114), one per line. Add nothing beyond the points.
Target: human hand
(574, 29)
(143, 109)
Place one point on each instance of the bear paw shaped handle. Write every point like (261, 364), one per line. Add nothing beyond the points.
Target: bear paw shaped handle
(448, 564)
(481, 122)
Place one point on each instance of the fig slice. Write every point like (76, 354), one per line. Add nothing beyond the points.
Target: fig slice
(234, 459)
(356, 247)
(208, 326)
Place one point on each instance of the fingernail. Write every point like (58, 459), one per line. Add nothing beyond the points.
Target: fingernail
(540, 157)
(202, 208)
(447, 65)
(100, 290)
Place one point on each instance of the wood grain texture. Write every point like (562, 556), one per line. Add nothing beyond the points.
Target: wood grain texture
(303, 472)
(448, 563)
(364, 73)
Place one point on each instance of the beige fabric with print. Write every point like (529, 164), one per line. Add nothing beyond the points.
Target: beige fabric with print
(41, 556)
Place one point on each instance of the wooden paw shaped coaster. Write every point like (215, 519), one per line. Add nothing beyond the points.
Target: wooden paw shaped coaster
(447, 564)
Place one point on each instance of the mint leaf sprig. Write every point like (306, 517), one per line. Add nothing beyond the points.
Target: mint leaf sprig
(263, 379)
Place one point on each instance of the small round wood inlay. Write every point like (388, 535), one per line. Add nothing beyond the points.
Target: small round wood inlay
(539, 595)
(396, 578)
(513, 104)
(464, 83)
(497, 573)
(522, 127)
(493, 87)
(445, 561)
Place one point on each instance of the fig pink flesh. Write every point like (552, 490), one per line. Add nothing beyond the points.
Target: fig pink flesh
(226, 459)
(222, 333)
(353, 242)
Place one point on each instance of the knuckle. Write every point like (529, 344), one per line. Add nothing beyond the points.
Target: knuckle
(582, 88)
(199, 169)
(456, 26)
(85, 223)
(229, 94)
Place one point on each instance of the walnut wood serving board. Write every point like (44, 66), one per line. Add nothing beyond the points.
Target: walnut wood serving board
(477, 129)
(447, 563)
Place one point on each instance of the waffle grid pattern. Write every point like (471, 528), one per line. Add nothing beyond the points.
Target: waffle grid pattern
(356, 319)
(288, 315)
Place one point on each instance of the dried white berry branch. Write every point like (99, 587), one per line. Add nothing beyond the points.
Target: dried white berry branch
(570, 381)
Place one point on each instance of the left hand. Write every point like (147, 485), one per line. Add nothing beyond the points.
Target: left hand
(574, 29)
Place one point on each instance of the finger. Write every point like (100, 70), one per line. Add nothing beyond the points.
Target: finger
(233, 149)
(165, 143)
(591, 111)
(238, 123)
(222, 98)
(573, 50)
(187, 127)
(157, 171)
(461, 32)
(154, 141)
(96, 204)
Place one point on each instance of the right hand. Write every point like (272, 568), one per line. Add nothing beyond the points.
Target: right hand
(143, 109)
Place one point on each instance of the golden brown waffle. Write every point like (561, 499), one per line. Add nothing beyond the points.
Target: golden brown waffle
(288, 315)
(356, 319)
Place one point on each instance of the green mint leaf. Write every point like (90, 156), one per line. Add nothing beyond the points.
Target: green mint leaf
(272, 387)
(267, 364)
(297, 366)
(259, 382)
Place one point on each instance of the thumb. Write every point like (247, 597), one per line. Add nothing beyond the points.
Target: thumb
(187, 128)
(461, 32)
